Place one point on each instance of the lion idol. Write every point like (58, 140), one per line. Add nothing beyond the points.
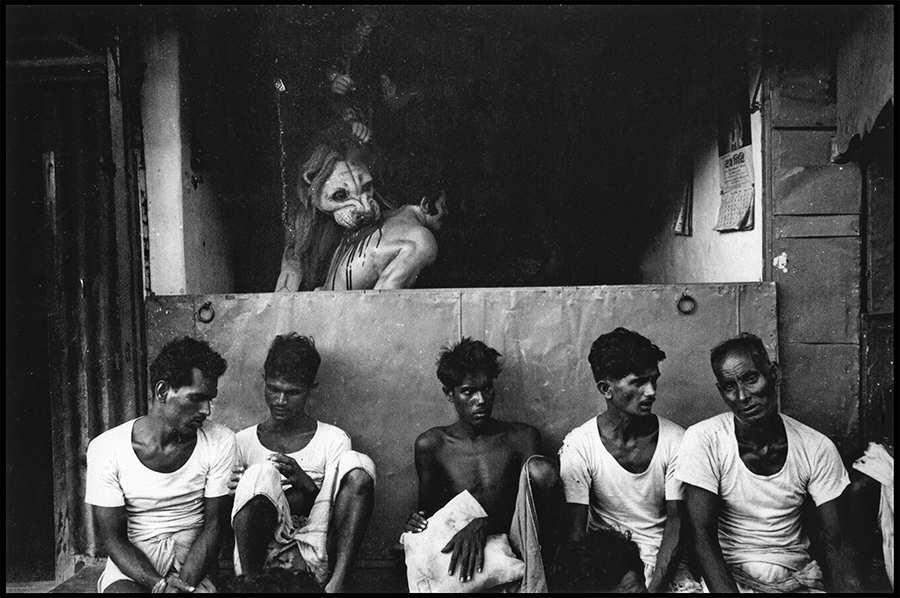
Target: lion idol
(334, 195)
(337, 238)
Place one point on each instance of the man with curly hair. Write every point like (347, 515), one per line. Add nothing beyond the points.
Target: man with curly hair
(158, 484)
(497, 462)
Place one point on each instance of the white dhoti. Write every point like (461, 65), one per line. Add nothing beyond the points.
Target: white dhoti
(299, 543)
(777, 573)
(166, 553)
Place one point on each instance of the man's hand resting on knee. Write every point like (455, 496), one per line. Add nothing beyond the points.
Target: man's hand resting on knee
(468, 549)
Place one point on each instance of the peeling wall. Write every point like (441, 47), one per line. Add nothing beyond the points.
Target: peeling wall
(189, 247)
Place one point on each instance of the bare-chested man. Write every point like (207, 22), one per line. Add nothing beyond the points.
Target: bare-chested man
(480, 454)
(391, 253)
(747, 473)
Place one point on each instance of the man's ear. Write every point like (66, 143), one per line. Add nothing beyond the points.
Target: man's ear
(160, 389)
(448, 392)
(775, 372)
(604, 387)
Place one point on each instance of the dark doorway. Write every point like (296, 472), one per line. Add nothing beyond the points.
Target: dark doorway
(29, 482)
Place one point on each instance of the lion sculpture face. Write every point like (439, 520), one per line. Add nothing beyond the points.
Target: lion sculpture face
(348, 195)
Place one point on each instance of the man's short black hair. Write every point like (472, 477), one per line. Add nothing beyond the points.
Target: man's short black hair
(274, 581)
(744, 344)
(294, 357)
(466, 357)
(622, 352)
(596, 564)
(176, 362)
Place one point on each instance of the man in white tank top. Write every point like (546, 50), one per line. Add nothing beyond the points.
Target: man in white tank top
(618, 468)
(159, 483)
(747, 474)
(302, 497)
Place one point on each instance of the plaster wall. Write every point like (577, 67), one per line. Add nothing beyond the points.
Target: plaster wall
(161, 116)
(188, 239)
(707, 255)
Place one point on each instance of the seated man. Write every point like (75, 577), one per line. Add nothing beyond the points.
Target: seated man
(494, 460)
(392, 252)
(602, 561)
(618, 468)
(158, 484)
(302, 498)
(747, 474)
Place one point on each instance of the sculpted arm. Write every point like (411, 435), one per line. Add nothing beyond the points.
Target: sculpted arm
(416, 249)
(703, 513)
(289, 278)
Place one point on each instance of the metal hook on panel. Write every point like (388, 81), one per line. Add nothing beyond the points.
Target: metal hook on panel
(206, 313)
(686, 304)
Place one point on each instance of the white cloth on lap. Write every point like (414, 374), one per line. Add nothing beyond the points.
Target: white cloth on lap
(427, 567)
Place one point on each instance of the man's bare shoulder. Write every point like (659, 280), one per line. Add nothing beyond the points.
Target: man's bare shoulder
(407, 229)
(524, 433)
(430, 440)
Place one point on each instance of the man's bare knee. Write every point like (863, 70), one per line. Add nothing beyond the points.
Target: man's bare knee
(542, 472)
(357, 482)
(257, 507)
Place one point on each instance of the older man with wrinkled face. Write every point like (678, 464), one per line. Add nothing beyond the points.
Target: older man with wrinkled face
(747, 473)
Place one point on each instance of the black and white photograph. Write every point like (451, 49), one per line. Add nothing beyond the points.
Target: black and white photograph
(447, 298)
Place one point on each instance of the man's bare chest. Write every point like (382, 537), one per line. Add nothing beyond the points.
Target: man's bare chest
(764, 459)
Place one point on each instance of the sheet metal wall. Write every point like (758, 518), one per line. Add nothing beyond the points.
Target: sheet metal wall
(377, 379)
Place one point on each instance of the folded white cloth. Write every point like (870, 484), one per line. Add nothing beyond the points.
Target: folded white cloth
(427, 567)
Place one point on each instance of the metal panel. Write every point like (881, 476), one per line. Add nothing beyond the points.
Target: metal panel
(378, 382)
(168, 317)
(816, 226)
(377, 378)
(876, 415)
(832, 189)
(801, 149)
(818, 290)
(545, 336)
(800, 95)
(820, 385)
(758, 314)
